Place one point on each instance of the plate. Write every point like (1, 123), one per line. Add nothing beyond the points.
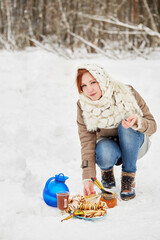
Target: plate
(91, 219)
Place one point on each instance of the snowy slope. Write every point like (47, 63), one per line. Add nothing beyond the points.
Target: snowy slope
(38, 139)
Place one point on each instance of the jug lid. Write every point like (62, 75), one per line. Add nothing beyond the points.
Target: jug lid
(61, 178)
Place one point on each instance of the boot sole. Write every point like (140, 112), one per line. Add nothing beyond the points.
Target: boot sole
(128, 198)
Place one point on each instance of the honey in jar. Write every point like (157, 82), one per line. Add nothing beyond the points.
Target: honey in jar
(111, 200)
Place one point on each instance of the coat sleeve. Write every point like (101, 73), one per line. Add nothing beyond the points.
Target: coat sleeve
(148, 124)
(88, 144)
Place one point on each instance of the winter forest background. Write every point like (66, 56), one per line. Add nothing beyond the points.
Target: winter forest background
(108, 27)
(41, 44)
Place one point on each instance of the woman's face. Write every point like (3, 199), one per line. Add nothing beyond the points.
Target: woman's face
(90, 87)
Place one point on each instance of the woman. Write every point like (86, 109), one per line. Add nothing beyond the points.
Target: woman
(114, 125)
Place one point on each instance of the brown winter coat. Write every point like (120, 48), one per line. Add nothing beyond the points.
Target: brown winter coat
(88, 139)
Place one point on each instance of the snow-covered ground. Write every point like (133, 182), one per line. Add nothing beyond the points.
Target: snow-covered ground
(38, 139)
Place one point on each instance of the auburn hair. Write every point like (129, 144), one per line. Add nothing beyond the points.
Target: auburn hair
(79, 78)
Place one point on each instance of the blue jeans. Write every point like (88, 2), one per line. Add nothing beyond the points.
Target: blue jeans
(108, 152)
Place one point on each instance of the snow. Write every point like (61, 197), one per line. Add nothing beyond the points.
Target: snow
(38, 139)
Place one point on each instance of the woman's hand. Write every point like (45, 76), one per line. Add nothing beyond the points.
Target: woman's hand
(88, 188)
(129, 122)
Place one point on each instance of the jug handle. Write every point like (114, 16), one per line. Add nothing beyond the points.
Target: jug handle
(48, 181)
(61, 174)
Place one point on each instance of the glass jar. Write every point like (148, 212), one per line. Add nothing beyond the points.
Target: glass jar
(111, 200)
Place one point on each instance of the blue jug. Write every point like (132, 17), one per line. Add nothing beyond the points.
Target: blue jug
(52, 187)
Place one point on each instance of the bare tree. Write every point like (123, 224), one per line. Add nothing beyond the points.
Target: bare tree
(153, 25)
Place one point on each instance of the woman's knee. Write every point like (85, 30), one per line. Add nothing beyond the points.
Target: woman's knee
(126, 135)
(123, 131)
(129, 136)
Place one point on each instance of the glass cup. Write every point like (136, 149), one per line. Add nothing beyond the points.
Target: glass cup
(62, 200)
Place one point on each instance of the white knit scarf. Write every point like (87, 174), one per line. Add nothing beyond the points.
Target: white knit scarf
(117, 102)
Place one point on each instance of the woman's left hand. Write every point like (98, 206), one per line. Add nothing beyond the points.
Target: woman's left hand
(129, 122)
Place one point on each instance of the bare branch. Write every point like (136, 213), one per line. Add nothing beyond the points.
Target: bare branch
(53, 50)
(114, 21)
(91, 45)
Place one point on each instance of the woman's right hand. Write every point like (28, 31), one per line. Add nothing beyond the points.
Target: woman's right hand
(88, 188)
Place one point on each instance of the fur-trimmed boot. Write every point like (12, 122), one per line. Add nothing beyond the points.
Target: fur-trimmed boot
(127, 186)
(108, 180)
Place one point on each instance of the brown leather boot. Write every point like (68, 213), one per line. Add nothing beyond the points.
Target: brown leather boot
(108, 180)
(127, 186)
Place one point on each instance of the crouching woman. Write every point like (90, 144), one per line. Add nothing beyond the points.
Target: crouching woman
(114, 125)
